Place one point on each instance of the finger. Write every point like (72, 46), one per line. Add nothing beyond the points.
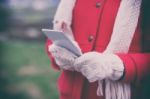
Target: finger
(57, 25)
(60, 26)
(52, 48)
(64, 27)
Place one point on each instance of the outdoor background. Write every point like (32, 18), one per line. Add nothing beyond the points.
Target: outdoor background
(25, 71)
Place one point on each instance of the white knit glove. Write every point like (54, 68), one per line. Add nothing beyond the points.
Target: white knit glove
(96, 66)
(63, 58)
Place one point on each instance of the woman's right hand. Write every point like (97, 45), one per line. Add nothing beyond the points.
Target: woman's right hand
(63, 58)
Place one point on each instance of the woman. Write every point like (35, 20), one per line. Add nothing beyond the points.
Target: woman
(113, 36)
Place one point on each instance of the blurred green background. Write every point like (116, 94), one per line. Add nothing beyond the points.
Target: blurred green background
(25, 71)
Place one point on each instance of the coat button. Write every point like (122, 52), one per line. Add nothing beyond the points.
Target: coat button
(90, 38)
(98, 4)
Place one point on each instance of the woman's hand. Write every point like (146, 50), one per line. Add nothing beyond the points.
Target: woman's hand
(63, 58)
(97, 66)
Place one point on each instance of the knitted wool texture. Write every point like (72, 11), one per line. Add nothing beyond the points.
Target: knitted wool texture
(123, 31)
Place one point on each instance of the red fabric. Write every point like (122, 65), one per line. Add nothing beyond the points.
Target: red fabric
(53, 63)
(130, 68)
(141, 68)
(88, 20)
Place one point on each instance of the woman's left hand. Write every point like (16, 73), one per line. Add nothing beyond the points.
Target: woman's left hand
(97, 66)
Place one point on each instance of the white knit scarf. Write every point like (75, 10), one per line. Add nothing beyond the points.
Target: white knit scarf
(123, 32)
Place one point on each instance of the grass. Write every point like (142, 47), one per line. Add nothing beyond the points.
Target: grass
(25, 72)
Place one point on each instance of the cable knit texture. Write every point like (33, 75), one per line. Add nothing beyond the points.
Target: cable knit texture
(98, 66)
(64, 58)
(124, 28)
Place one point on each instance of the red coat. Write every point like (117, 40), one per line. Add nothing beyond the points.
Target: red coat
(92, 25)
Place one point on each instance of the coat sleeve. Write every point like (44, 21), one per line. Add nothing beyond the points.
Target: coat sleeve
(137, 66)
(53, 63)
